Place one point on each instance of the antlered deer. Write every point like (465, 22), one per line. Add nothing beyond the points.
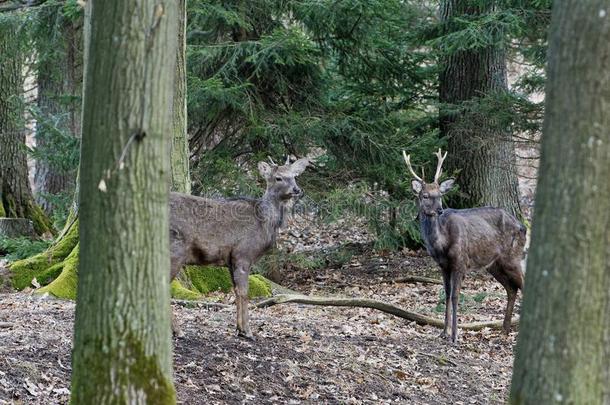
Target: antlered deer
(234, 232)
(468, 239)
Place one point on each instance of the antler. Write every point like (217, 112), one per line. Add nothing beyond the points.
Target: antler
(287, 160)
(408, 162)
(439, 165)
(271, 160)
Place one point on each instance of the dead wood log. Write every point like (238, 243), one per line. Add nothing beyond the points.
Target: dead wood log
(200, 304)
(375, 304)
(417, 279)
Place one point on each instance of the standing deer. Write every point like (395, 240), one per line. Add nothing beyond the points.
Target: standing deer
(234, 232)
(468, 239)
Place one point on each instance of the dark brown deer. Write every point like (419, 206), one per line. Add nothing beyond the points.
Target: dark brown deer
(468, 239)
(234, 232)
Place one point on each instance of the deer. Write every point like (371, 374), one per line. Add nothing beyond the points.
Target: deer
(464, 240)
(234, 232)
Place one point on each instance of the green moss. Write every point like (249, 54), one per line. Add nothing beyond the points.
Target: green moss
(64, 286)
(180, 292)
(2, 212)
(136, 369)
(42, 223)
(39, 266)
(207, 279)
(258, 286)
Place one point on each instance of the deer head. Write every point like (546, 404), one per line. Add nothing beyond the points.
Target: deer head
(281, 181)
(429, 194)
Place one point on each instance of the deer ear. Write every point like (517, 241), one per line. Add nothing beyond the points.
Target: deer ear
(416, 186)
(299, 166)
(446, 186)
(265, 169)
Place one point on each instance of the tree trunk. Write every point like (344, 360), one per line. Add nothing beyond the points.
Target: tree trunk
(181, 179)
(563, 350)
(122, 350)
(479, 149)
(58, 49)
(15, 192)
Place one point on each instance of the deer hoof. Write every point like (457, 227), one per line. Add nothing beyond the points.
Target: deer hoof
(444, 335)
(245, 335)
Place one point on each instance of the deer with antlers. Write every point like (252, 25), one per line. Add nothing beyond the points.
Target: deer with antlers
(462, 240)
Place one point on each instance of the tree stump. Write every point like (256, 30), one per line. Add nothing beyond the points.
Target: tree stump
(15, 227)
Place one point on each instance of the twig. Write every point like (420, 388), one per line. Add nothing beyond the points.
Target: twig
(438, 358)
(6, 325)
(378, 305)
(200, 304)
(417, 279)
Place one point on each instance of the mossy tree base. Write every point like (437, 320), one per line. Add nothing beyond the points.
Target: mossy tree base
(57, 268)
(46, 266)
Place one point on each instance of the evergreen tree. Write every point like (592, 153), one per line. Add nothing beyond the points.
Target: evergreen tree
(480, 148)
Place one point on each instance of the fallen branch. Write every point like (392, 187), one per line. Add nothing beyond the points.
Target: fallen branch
(199, 304)
(374, 304)
(5, 325)
(418, 279)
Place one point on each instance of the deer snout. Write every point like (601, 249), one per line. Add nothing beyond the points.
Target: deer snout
(297, 191)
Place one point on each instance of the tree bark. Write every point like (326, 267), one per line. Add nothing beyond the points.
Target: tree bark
(482, 152)
(59, 62)
(122, 350)
(15, 192)
(181, 179)
(563, 350)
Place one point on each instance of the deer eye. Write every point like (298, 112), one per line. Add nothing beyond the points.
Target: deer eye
(278, 179)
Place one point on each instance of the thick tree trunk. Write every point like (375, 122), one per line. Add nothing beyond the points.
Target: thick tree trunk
(479, 149)
(15, 192)
(181, 179)
(122, 350)
(563, 350)
(58, 77)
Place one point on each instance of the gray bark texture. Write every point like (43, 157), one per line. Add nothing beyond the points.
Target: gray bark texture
(16, 198)
(563, 349)
(181, 179)
(122, 351)
(60, 48)
(482, 153)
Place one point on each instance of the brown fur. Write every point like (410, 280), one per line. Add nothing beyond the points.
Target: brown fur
(234, 232)
(470, 239)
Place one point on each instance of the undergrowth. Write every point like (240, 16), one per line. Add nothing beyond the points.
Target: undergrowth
(21, 247)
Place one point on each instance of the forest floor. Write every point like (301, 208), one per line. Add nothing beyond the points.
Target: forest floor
(301, 354)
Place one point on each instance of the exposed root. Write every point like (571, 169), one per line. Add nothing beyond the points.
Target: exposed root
(374, 304)
(200, 304)
(418, 279)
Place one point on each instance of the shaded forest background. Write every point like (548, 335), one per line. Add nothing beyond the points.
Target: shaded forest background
(348, 83)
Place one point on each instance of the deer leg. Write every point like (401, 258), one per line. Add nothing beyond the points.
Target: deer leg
(240, 281)
(447, 285)
(511, 279)
(514, 281)
(511, 294)
(176, 266)
(456, 286)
